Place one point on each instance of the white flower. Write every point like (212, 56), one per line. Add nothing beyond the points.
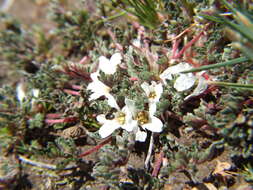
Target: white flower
(137, 43)
(35, 94)
(201, 87)
(100, 89)
(153, 92)
(185, 81)
(140, 135)
(147, 121)
(109, 66)
(21, 93)
(122, 119)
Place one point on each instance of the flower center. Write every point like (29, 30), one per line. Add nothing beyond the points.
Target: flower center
(121, 118)
(142, 117)
(152, 95)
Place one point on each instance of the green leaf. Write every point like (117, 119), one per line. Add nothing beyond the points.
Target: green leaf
(212, 18)
(217, 65)
(233, 85)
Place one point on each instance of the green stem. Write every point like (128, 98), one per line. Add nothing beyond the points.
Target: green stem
(233, 85)
(111, 17)
(217, 65)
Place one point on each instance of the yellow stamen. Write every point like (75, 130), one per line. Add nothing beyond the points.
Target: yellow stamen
(142, 117)
(152, 95)
(121, 118)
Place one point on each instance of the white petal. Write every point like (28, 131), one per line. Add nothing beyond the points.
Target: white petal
(95, 96)
(130, 104)
(145, 86)
(166, 75)
(94, 76)
(108, 128)
(104, 61)
(110, 66)
(35, 92)
(137, 43)
(105, 66)
(140, 136)
(152, 108)
(184, 82)
(111, 101)
(158, 91)
(116, 59)
(101, 118)
(130, 125)
(201, 87)
(98, 88)
(176, 69)
(155, 125)
(183, 66)
(21, 94)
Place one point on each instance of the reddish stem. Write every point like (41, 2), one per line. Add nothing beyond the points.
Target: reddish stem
(96, 148)
(158, 164)
(117, 45)
(84, 60)
(189, 44)
(63, 120)
(53, 115)
(71, 92)
(175, 48)
(76, 87)
(133, 79)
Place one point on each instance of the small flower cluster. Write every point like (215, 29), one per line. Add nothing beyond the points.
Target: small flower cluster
(185, 81)
(129, 117)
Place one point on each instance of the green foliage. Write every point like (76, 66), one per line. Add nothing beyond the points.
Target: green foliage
(217, 65)
(248, 173)
(146, 11)
(75, 29)
(240, 28)
(37, 121)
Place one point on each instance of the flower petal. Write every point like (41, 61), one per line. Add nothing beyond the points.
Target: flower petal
(35, 92)
(155, 125)
(21, 94)
(145, 86)
(109, 66)
(108, 128)
(184, 82)
(130, 104)
(140, 136)
(137, 43)
(158, 90)
(116, 59)
(176, 69)
(105, 66)
(152, 108)
(201, 87)
(101, 118)
(94, 76)
(130, 125)
(111, 101)
(97, 87)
